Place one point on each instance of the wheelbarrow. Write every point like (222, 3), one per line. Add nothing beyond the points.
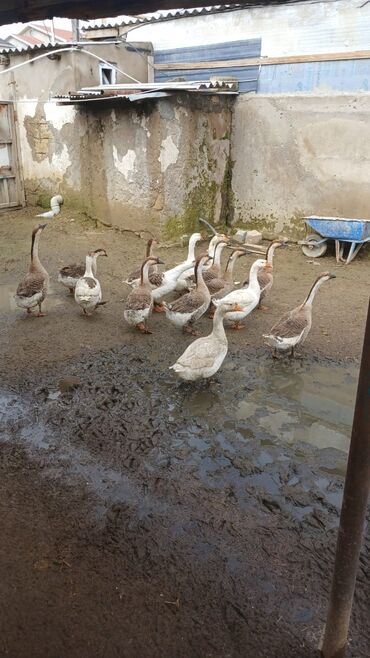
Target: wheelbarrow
(342, 230)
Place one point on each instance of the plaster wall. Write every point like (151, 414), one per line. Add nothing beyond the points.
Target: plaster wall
(300, 155)
(155, 164)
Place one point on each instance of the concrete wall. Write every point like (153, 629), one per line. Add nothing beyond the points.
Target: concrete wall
(300, 155)
(291, 29)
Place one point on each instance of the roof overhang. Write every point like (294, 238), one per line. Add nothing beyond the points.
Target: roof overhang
(12, 11)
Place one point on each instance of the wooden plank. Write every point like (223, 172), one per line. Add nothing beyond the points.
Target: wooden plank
(265, 61)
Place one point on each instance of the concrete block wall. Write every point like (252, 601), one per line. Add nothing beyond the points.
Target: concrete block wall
(299, 155)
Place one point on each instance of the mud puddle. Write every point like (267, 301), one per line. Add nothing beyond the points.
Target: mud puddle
(276, 432)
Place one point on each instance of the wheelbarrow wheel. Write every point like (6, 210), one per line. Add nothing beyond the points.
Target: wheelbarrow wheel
(313, 247)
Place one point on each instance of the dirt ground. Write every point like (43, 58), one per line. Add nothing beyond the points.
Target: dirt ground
(140, 517)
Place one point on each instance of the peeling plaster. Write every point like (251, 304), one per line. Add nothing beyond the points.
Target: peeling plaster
(127, 164)
(169, 153)
(59, 115)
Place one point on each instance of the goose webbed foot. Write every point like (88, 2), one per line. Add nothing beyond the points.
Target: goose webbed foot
(143, 328)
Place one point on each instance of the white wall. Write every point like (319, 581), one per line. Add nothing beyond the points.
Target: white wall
(298, 29)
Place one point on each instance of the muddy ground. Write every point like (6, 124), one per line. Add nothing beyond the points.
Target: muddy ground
(142, 517)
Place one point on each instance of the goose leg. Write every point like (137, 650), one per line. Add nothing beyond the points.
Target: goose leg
(262, 307)
(158, 308)
(292, 352)
(189, 330)
(237, 326)
(40, 314)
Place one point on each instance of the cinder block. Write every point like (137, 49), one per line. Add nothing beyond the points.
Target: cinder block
(253, 237)
(240, 235)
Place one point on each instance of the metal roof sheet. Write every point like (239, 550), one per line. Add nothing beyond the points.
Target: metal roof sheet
(161, 16)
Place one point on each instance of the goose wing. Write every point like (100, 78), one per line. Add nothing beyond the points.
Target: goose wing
(187, 303)
(200, 354)
(31, 284)
(138, 300)
(291, 324)
(75, 270)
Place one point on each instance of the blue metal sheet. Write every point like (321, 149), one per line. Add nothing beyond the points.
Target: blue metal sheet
(344, 75)
(247, 76)
(211, 53)
(353, 230)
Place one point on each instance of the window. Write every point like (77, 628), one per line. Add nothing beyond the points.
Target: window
(107, 74)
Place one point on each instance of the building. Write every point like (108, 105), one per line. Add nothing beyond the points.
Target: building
(165, 139)
(34, 34)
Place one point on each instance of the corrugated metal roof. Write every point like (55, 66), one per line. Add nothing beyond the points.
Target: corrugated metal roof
(37, 47)
(135, 92)
(161, 16)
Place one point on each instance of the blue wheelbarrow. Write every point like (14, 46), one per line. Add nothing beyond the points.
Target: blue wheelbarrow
(353, 231)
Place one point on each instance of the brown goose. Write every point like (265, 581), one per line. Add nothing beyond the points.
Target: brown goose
(32, 290)
(293, 327)
(221, 286)
(70, 274)
(134, 278)
(189, 308)
(139, 303)
(265, 276)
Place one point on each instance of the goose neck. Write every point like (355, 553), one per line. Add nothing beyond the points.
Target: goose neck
(145, 274)
(218, 331)
(311, 295)
(253, 277)
(191, 248)
(88, 267)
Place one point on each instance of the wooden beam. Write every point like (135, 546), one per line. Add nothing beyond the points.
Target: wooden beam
(264, 61)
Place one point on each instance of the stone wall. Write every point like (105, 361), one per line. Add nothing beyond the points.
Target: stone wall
(299, 155)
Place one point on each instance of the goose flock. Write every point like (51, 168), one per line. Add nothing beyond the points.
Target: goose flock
(201, 286)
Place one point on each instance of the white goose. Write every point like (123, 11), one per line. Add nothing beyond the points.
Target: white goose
(88, 291)
(247, 298)
(204, 357)
(182, 283)
(187, 278)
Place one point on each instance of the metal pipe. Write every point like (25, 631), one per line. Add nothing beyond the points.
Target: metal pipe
(353, 514)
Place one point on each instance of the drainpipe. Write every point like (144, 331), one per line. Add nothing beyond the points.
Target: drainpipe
(75, 30)
(353, 515)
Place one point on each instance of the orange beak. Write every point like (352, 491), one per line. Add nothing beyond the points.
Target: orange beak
(237, 307)
(268, 266)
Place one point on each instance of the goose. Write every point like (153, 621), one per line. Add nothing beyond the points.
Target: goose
(188, 275)
(293, 327)
(168, 284)
(189, 308)
(214, 272)
(266, 277)
(69, 275)
(134, 278)
(204, 356)
(33, 289)
(87, 290)
(182, 282)
(220, 287)
(247, 297)
(139, 303)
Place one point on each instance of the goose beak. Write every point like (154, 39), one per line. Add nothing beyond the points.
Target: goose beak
(237, 307)
(160, 262)
(268, 266)
(332, 276)
(42, 226)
